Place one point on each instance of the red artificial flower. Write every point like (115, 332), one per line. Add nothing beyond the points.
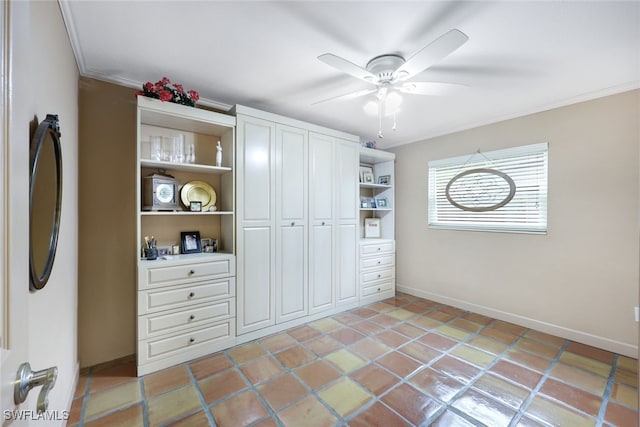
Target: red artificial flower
(179, 87)
(194, 95)
(148, 86)
(165, 95)
(165, 81)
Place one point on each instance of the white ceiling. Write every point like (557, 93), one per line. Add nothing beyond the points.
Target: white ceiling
(521, 57)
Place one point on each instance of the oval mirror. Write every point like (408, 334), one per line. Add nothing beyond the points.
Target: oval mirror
(45, 199)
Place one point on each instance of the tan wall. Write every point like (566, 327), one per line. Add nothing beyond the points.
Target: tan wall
(107, 270)
(580, 280)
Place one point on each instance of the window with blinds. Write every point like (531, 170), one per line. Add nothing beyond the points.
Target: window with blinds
(468, 192)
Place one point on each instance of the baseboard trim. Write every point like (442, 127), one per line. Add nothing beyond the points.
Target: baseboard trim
(549, 328)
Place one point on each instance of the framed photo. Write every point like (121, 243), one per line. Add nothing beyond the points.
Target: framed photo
(164, 250)
(364, 203)
(209, 245)
(195, 206)
(382, 203)
(363, 170)
(384, 179)
(368, 178)
(190, 241)
(372, 228)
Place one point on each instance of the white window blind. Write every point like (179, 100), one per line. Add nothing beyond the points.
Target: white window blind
(526, 212)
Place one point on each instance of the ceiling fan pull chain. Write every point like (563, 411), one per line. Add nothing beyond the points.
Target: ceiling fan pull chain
(380, 120)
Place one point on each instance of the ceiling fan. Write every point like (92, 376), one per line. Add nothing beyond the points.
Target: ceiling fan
(391, 72)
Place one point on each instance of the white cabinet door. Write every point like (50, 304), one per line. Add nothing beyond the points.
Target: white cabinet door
(321, 213)
(256, 224)
(321, 284)
(291, 218)
(346, 256)
(347, 264)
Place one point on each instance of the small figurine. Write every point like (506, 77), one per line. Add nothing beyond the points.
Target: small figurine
(219, 155)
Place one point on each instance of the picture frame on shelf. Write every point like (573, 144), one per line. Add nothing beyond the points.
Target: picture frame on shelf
(195, 206)
(209, 244)
(190, 242)
(365, 170)
(384, 180)
(372, 228)
(364, 203)
(368, 178)
(382, 203)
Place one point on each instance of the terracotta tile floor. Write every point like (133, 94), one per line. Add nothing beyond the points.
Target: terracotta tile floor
(402, 362)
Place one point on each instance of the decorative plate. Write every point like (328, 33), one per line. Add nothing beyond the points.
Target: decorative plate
(198, 191)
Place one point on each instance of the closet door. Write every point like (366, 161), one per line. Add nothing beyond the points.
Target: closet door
(346, 191)
(256, 224)
(291, 254)
(321, 215)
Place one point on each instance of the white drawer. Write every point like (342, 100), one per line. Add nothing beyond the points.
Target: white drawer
(164, 275)
(378, 261)
(377, 288)
(371, 276)
(377, 248)
(185, 342)
(180, 296)
(167, 322)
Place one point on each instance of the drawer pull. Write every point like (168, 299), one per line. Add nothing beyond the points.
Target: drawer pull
(322, 222)
(378, 289)
(293, 223)
(192, 317)
(192, 294)
(378, 262)
(379, 276)
(192, 272)
(192, 340)
(379, 249)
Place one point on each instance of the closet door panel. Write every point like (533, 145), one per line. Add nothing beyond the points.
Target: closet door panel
(256, 170)
(321, 268)
(291, 280)
(321, 179)
(347, 263)
(255, 288)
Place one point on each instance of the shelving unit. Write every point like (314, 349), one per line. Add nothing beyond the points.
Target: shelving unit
(186, 303)
(377, 255)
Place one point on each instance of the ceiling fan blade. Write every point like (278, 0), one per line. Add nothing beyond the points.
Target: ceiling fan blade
(348, 67)
(431, 53)
(351, 95)
(429, 88)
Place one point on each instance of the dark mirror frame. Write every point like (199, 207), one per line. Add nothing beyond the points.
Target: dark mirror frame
(49, 127)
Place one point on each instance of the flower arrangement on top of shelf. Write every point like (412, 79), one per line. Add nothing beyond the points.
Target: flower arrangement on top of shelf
(164, 90)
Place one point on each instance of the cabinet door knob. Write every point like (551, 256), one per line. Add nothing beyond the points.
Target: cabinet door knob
(191, 272)
(192, 294)
(192, 317)
(192, 340)
(293, 223)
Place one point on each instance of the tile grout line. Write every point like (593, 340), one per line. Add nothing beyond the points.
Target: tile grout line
(536, 389)
(145, 403)
(203, 403)
(607, 392)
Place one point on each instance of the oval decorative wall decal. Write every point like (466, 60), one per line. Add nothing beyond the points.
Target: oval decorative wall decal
(480, 190)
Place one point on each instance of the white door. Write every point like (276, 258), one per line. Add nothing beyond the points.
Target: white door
(346, 164)
(256, 219)
(321, 215)
(291, 218)
(13, 270)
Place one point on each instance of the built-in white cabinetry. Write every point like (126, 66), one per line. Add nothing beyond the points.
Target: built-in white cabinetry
(302, 230)
(186, 302)
(377, 201)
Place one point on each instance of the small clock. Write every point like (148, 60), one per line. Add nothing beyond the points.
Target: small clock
(160, 193)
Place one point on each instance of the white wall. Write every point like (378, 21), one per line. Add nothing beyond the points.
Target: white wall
(579, 281)
(45, 80)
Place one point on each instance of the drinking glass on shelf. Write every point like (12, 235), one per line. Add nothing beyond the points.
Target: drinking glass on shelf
(167, 148)
(191, 153)
(178, 149)
(156, 148)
